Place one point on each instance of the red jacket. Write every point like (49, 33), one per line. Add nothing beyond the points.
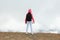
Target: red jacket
(32, 16)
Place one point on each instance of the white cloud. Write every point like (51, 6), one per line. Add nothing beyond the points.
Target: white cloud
(45, 12)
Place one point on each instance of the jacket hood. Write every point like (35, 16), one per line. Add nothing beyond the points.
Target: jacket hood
(29, 11)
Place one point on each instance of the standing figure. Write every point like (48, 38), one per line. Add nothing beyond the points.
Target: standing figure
(29, 20)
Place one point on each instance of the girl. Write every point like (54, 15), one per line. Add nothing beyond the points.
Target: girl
(28, 20)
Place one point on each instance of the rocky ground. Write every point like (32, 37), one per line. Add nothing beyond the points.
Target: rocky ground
(23, 36)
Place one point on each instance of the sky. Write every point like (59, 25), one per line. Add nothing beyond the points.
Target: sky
(46, 14)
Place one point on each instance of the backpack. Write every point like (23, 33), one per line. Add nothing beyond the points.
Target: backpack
(28, 17)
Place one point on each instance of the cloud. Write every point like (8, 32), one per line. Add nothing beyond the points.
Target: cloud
(45, 12)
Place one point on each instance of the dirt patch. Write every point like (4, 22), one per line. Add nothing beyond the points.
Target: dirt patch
(23, 36)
